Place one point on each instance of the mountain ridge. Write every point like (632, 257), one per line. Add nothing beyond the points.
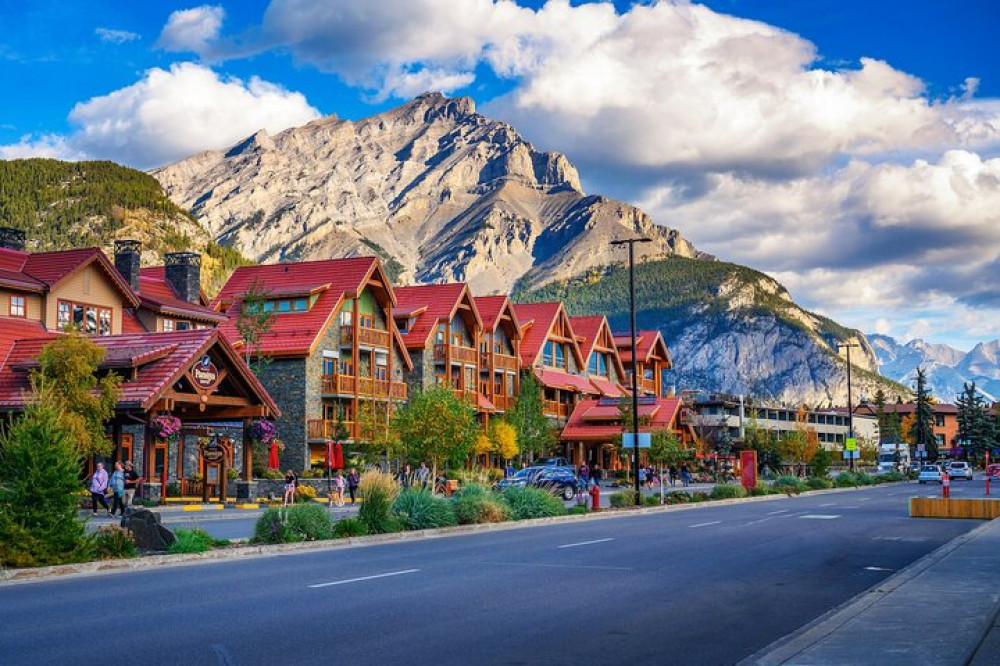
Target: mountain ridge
(947, 368)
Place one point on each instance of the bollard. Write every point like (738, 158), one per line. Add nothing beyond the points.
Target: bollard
(945, 485)
(595, 497)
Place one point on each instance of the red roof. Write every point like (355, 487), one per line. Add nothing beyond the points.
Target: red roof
(37, 271)
(16, 328)
(157, 294)
(441, 302)
(485, 404)
(607, 387)
(647, 343)
(589, 420)
(162, 358)
(565, 381)
(296, 333)
(590, 329)
(131, 323)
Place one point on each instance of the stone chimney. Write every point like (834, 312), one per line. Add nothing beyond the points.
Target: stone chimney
(128, 260)
(11, 238)
(183, 272)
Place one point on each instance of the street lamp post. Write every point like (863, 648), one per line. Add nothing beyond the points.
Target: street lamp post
(635, 356)
(850, 408)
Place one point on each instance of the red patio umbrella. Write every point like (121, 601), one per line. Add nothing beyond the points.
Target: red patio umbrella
(272, 460)
(339, 457)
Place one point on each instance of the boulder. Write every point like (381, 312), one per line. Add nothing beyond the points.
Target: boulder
(146, 529)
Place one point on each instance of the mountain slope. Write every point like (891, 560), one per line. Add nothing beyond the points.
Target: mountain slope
(437, 190)
(76, 204)
(947, 368)
(729, 328)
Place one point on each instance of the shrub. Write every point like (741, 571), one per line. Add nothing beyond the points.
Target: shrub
(623, 499)
(894, 476)
(271, 528)
(728, 491)
(309, 522)
(474, 504)
(677, 497)
(112, 542)
(762, 489)
(577, 510)
(420, 510)
(820, 463)
(379, 491)
(173, 490)
(304, 493)
(494, 474)
(818, 483)
(700, 497)
(527, 502)
(865, 479)
(845, 480)
(191, 541)
(791, 485)
(39, 480)
(651, 500)
(349, 527)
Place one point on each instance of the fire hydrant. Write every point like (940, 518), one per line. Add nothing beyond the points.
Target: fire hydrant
(595, 497)
(945, 485)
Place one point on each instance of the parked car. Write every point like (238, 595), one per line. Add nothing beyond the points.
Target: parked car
(557, 461)
(929, 473)
(915, 467)
(959, 470)
(557, 480)
(993, 470)
(521, 477)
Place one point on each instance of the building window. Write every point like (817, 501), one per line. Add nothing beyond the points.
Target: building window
(183, 325)
(938, 420)
(329, 366)
(105, 322)
(168, 325)
(346, 368)
(17, 306)
(63, 316)
(940, 440)
(84, 317)
(366, 321)
(287, 305)
(560, 355)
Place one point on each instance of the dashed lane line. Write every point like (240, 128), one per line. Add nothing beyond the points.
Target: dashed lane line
(820, 516)
(714, 522)
(584, 543)
(362, 578)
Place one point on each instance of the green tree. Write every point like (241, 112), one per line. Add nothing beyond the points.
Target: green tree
(436, 425)
(923, 425)
(975, 427)
(376, 436)
(67, 375)
(820, 463)
(253, 323)
(535, 434)
(39, 484)
(666, 449)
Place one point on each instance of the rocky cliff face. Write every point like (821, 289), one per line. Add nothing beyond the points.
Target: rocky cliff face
(437, 190)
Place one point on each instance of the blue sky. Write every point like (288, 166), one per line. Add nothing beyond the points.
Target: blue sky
(851, 200)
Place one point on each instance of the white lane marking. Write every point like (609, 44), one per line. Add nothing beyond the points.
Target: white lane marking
(552, 566)
(877, 569)
(771, 513)
(864, 499)
(714, 522)
(584, 543)
(828, 504)
(361, 578)
(762, 520)
(820, 516)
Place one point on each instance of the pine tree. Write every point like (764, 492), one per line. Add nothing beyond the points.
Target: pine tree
(39, 484)
(975, 428)
(923, 427)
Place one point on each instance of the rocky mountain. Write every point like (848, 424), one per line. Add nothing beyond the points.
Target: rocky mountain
(730, 329)
(947, 368)
(437, 190)
(77, 204)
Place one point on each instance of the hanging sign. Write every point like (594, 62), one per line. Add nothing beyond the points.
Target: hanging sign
(204, 373)
(213, 452)
(851, 444)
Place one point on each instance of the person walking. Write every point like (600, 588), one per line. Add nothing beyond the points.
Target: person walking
(685, 475)
(423, 475)
(642, 477)
(584, 476)
(353, 481)
(99, 486)
(117, 485)
(339, 484)
(404, 477)
(131, 484)
(673, 475)
(290, 483)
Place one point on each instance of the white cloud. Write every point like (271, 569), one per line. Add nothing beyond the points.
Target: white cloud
(192, 30)
(112, 36)
(882, 326)
(168, 115)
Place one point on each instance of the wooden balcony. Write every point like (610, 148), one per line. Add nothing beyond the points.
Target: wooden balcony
(458, 354)
(323, 429)
(554, 408)
(370, 337)
(492, 361)
(647, 386)
(363, 386)
(503, 403)
(469, 396)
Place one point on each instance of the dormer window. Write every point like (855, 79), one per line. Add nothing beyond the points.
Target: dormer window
(286, 305)
(17, 308)
(89, 319)
(598, 364)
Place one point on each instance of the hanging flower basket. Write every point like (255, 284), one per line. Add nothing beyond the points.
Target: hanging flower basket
(263, 431)
(166, 426)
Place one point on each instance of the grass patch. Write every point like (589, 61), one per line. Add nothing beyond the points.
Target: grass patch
(192, 541)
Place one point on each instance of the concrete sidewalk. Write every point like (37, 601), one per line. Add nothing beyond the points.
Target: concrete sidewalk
(941, 610)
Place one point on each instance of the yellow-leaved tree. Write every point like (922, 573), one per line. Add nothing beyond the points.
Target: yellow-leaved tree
(505, 440)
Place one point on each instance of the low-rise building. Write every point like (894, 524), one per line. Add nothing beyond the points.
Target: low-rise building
(499, 352)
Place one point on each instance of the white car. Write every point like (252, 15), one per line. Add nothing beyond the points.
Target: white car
(959, 470)
(929, 473)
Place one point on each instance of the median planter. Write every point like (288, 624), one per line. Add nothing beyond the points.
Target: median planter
(938, 507)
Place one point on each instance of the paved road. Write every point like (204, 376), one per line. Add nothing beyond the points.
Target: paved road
(705, 586)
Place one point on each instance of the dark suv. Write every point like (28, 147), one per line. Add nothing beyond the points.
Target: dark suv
(557, 480)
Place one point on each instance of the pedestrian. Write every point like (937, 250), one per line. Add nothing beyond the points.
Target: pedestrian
(339, 484)
(642, 476)
(353, 481)
(766, 472)
(290, 484)
(685, 475)
(423, 475)
(404, 476)
(584, 476)
(99, 486)
(509, 470)
(131, 484)
(673, 475)
(117, 485)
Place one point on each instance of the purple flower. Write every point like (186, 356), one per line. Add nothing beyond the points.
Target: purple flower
(263, 431)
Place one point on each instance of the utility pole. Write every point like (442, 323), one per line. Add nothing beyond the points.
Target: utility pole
(635, 359)
(850, 408)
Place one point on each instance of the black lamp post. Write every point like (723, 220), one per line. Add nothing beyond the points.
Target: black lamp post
(635, 356)
(850, 409)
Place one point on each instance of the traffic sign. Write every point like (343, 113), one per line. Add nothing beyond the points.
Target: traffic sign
(851, 444)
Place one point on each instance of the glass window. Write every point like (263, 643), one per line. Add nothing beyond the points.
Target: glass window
(604, 364)
(78, 316)
(346, 368)
(183, 325)
(268, 306)
(547, 353)
(560, 355)
(939, 420)
(380, 373)
(592, 366)
(300, 304)
(329, 366)
(105, 322)
(439, 336)
(168, 325)
(63, 316)
(284, 306)
(17, 306)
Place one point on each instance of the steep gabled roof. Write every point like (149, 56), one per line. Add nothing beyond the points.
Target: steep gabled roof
(158, 295)
(537, 321)
(41, 271)
(647, 342)
(592, 330)
(297, 333)
(432, 304)
(491, 308)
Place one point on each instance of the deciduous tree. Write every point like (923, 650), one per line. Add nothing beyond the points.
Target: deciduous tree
(435, 425)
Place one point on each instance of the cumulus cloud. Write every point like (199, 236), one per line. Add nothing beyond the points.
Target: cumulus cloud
(192, 30)
(170, 114)
(113, 36)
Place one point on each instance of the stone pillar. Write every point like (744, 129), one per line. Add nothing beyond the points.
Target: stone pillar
(246, 491)
(152, 491)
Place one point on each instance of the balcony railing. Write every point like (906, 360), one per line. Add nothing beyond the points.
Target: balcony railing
(372, 337)
(503, 403)
(491, 360)
(469, 396)
(458, 354)
(648, 385)
(560, 410)
(324, 429)
(363, 386)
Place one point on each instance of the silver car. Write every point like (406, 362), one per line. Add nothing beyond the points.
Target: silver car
(959, 470)
(929, 473)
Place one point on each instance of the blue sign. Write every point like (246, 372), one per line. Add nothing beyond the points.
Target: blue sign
(645, 440)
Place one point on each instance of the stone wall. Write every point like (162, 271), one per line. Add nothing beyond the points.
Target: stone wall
(286, 381)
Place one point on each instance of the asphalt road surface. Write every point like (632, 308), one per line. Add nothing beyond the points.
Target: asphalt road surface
(710, 585)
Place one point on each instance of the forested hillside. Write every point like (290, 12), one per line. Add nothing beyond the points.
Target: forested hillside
(78, 204)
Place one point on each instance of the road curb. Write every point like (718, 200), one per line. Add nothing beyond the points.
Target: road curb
(16, 576)
(795, 643)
